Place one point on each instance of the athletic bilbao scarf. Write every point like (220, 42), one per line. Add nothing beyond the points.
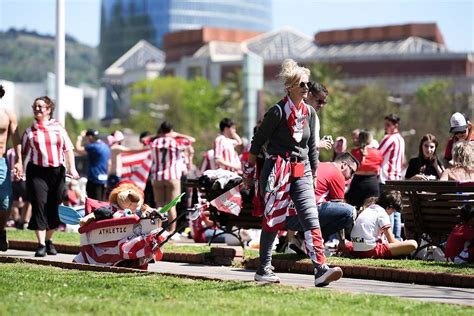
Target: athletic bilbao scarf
(296, 118)
(50, 125)
(277, 196)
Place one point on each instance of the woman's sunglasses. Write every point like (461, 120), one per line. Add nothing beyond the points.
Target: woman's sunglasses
(308, 84)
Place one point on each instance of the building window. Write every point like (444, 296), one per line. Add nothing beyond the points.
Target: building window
(194, 72)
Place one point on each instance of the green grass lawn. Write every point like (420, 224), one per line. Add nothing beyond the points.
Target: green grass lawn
(39, 290)
(444, 267)
(59, 237)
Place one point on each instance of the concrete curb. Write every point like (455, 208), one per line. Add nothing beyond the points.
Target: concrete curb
(198, 258)
(376, 273)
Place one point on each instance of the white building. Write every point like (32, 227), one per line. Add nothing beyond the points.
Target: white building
(82, 103)
(142, 61)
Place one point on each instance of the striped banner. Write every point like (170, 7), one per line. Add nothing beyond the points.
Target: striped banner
(136, 166)
(229, 202)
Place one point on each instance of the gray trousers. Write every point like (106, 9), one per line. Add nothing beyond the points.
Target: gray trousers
(302, 195)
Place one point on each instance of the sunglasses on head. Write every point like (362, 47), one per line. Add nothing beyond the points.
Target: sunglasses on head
(460, 133)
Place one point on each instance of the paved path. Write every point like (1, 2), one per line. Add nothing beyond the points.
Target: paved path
(405, 290)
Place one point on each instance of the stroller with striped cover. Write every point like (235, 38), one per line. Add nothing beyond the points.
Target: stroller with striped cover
(130, 241)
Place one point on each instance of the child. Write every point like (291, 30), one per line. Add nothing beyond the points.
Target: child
(460, 244)
(372, 224)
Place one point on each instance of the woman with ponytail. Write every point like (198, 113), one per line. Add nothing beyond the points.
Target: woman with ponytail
(365, 183)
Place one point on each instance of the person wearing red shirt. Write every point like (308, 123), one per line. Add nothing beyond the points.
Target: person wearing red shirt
(460, 244)
(168, 166)
(51, 153)
(392, 148)
(365, 183)
(224, 145)
(334, 214)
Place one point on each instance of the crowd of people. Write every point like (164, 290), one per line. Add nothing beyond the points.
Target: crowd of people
(314, 201)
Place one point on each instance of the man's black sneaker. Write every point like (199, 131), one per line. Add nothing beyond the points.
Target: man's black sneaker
(323, 275)
(41, 251)
(50, 250)
(3, 240)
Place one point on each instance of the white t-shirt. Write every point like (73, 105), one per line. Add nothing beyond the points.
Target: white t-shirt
(368, 228)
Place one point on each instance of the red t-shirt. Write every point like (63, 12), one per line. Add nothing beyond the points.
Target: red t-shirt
(331, 183)
(456, 239)
(448, 153)
(372, 162)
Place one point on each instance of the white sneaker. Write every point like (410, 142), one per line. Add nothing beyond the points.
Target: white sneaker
(176, 237)
(266, 275)
(325, 275)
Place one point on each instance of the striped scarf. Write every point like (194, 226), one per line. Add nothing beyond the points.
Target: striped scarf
(296, 118)
(277, 195)
(51, 124)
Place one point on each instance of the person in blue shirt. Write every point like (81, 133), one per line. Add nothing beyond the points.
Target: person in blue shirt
(98, 154)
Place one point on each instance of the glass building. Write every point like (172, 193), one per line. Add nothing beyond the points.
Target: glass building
(125, 22)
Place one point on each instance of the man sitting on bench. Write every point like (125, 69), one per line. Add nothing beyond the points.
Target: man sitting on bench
(334, 214)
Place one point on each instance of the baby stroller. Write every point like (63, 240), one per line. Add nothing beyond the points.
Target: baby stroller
(128, 241)
(217, 194)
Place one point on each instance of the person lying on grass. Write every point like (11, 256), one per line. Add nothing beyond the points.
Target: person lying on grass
(373, 224)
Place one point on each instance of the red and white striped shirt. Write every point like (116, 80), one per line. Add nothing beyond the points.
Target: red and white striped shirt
(45, 143)
(224, 149)
(208, 162)
(167, 155)
(392, 148)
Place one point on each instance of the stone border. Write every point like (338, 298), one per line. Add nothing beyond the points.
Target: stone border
(376, 273)
(229, 255)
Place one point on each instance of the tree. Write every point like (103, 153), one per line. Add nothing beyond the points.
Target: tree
(332, 117)
(433, 104)
(232, 94)
(195, 107)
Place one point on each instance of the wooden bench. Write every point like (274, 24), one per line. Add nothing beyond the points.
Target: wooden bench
(431, 208)
(229, 224)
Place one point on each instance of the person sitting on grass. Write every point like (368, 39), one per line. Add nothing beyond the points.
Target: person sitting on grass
(372, 224)
(460, 244)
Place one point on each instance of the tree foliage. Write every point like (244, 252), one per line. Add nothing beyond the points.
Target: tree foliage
(427, 111)
(195, 107)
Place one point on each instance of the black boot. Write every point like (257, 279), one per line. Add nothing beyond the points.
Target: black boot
(50, 250)
(3, 240)
(41, 251)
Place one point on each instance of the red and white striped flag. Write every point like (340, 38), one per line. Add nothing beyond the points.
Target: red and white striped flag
(136, 166)
(229, 202)
(277, 196)
(137, 250)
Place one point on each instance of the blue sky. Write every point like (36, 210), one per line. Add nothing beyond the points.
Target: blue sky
(454, 17)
